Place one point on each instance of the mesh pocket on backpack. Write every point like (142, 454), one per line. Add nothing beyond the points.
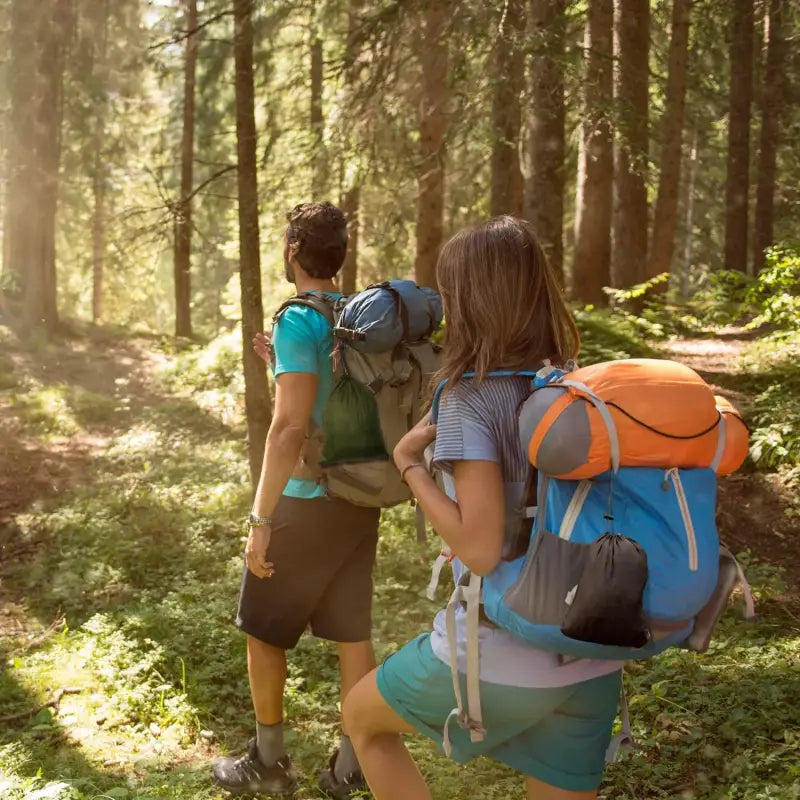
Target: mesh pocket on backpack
(352, 425)
(546, 585)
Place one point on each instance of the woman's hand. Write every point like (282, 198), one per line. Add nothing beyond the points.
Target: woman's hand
(256, 551)
(411, 448)
(262, 344)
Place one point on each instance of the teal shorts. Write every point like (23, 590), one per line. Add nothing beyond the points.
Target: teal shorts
(558, 736)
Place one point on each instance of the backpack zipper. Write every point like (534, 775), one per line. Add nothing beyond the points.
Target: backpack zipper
(574, 509)
(683, 504)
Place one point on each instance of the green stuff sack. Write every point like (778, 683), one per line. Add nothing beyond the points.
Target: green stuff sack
(352, 426)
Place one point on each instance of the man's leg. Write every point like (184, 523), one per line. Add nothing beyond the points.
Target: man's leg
(344, 616)
(266, 668)
(356, 659)
(274, 612)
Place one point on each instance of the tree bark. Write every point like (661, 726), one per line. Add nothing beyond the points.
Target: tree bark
(689, 222)
(351, 201)
(772, 94)
(546, 147)
(737, 185)
(257, 399)
(508, 73)
(318, 163)
(629, 228)
(20, 216)
(183, 208)
(350, 183)
(40, 295)
(100, 31)
(665, 222)
(432, 129)
(591, 270)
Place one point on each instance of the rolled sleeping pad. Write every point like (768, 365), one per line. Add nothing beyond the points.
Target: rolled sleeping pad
(737, 437)
(664, 414)
(379, 318)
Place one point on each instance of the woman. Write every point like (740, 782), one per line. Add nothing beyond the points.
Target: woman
(551, 722)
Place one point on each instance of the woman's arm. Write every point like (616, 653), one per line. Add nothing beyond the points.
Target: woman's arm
(474, 527)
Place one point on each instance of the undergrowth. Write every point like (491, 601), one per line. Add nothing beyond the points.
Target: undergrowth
(139, 564)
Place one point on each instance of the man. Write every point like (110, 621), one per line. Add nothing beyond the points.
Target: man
(309, 556)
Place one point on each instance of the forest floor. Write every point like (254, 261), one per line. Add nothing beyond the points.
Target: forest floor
(121, 674)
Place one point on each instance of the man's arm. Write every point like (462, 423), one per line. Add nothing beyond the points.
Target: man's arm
(295, 394)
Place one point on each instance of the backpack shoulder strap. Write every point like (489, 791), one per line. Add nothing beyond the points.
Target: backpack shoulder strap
(321, 303)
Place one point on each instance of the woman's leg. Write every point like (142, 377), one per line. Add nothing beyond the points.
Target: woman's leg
(538, 790)
(375, 729)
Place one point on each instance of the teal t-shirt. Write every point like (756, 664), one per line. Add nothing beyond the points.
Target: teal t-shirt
(303, 341)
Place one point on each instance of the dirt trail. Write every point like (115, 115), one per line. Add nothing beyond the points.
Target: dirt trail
(34, 469)
(755, 509)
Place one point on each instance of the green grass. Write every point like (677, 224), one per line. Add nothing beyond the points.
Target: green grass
(143, 561)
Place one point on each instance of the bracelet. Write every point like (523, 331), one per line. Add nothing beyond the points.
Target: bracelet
(254, 521)
(408, 467)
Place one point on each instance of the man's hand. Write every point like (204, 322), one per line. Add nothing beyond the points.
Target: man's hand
(262, 344)
(256, 552)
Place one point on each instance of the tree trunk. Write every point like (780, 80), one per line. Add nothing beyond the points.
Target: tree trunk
(508, 73)
(772, 95)
(256, 392)
(183, 208)
(350, 182)
(737, 185)
(318, 161)
(100, 30)
(629, 230)
(591, 270)
(546, 150)
(350, 205)
(432, 129)
(689, 224)
(21, 216)
(665, 222)
(40, 296)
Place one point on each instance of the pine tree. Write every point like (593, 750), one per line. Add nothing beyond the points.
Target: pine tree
(546, 146)
(433, 126)
(630, 224)
(508, 73)
(183, 208)
(665, 223)
(591, 268)
(257, 399)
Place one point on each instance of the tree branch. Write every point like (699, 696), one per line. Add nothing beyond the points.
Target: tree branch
(32, 712)
(181, 36)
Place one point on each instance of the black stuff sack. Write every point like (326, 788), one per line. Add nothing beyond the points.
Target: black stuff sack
(352, 426)
(606, 605)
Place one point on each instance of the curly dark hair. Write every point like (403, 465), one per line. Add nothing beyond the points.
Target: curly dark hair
(320, 232)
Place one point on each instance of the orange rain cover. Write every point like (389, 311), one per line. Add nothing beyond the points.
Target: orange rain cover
(665, 416)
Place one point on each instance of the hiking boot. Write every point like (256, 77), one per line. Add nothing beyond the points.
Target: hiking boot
(352, 785)
(249, 775)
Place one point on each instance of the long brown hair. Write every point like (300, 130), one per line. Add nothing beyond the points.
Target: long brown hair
(503, 307)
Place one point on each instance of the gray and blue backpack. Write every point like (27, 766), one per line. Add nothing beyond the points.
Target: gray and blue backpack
(383, 360)
(623, 561)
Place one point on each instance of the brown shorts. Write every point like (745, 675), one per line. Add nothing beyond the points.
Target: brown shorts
(323, 550)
